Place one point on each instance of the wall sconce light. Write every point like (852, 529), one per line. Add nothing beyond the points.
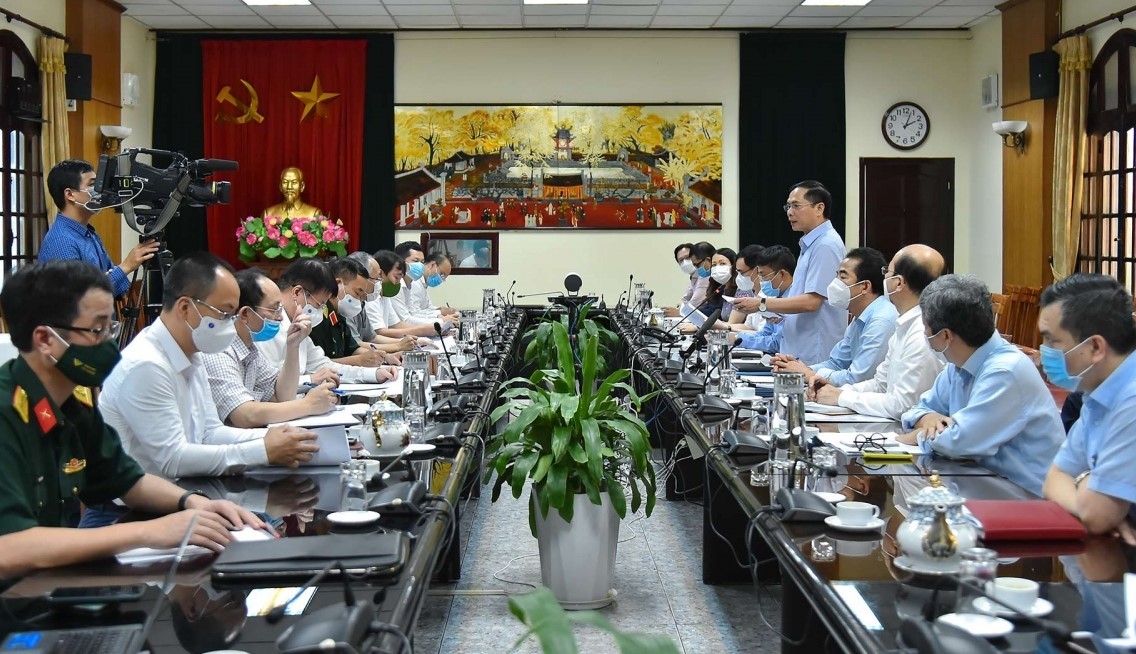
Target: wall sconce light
(113, 136)
(1013, 133)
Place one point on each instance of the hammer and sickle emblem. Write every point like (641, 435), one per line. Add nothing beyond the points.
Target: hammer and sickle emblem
(250, 113)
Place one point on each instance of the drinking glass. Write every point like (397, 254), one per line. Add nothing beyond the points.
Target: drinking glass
(978, 567)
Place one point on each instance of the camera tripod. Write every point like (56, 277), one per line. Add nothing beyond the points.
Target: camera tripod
(149, 297)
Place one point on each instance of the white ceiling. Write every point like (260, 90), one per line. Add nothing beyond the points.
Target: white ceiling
(601, 14)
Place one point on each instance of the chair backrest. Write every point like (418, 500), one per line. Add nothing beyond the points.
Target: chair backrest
(130, 300)
(1001, 308)
(1020, 325)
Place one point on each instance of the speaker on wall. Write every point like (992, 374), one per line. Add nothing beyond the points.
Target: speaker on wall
(78, 75)
(1043, 74)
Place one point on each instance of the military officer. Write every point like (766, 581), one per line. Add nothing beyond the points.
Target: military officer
(55, 449)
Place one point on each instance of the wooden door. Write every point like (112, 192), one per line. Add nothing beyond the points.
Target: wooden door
(908, 200)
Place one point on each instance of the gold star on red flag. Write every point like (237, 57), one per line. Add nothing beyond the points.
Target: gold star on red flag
(314, 99)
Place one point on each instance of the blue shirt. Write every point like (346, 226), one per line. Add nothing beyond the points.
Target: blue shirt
(1004, 416)
(810, 336)
(766, 340)
(864, 346)
(1101, 440)
(68, 240)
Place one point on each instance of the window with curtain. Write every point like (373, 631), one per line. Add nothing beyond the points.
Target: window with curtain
(23, 214)
(1108, 217)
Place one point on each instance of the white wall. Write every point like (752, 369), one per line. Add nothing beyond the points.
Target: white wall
(978, 227)
(932, 70)
(49, 13)
(576, 67)
(1079, 12)
(139, 56)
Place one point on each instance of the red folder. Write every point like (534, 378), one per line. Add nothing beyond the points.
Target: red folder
(1025, 520)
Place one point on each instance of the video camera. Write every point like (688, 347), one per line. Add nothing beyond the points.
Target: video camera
(150, 197)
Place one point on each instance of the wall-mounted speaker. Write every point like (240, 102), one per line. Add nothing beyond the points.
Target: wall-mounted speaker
(1043, 75)
(78, 75)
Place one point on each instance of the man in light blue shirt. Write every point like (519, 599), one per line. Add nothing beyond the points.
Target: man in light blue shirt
(989, 404)
(812, 326)
(1088, 336)
(858, 288)
(72, 237)
(774, 268)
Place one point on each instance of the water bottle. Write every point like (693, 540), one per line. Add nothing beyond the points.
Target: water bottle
(415, 382)
(788, 416)
(353, 486)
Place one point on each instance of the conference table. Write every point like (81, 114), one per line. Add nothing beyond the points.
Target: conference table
(840, 590)
(202, 614)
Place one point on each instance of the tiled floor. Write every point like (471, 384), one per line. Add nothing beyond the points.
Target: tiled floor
(657, 578)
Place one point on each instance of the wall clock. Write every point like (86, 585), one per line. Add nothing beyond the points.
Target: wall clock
(905, 125)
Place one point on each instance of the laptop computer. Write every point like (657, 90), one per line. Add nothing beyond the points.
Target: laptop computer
(120, 639)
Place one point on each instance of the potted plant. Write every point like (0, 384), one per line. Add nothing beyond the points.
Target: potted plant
(584, 451)
(272, 237)
(540, 352)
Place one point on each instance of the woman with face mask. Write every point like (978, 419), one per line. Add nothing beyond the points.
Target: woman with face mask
(723, 283)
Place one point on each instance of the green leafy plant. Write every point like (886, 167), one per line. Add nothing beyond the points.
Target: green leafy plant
(541, 350)
(552, 625)
(572, 435)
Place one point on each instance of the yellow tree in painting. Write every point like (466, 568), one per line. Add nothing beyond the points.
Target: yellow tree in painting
(421, 136)
(698, 139)
(531, 134)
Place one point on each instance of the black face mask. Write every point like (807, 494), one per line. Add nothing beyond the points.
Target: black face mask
(88, 365)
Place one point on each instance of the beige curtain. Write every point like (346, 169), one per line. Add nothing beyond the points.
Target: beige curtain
(55, 136)
(1070, 152)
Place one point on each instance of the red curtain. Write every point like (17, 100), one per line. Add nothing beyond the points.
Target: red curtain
(328, 149)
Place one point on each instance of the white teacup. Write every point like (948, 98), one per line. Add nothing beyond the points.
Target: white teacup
(1015, 591)
(364, 435)
(857, 514)
(745, 392)
(856, 547)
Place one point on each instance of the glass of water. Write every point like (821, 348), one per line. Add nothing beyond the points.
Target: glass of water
(353, 486)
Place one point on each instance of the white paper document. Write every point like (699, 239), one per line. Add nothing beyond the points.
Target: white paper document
(144, 555)
(827, 409)
(331, 418)
(692, 315)
(845, 418)
(357, 409)
(331, 436)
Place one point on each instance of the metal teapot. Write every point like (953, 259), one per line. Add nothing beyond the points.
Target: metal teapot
(937, 529)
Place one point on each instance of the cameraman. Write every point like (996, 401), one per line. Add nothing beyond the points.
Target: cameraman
(71, 236)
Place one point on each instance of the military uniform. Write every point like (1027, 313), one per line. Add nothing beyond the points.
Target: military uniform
(52, 457)
(333, 334)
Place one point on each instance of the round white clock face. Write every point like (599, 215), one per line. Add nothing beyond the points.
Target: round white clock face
(906, 125)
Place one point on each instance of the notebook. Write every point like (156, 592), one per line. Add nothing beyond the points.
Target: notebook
(1025, 520)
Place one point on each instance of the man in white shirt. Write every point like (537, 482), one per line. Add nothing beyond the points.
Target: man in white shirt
(384, 315)
(305, 287)
(438, 267)
(158, 397)
(909, 368)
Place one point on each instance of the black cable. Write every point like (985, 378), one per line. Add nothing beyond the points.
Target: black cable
(391, 629)
(759, 587)
(710, 518)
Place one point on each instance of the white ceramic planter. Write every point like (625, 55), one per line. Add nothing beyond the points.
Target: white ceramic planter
(577, 559)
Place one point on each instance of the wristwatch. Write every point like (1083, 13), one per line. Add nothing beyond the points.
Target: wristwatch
(1081, 477)
(761, 305)
(185, 496)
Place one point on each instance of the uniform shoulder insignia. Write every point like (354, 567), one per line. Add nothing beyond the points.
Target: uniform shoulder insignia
(83, 394)
(45, 416)
(20, 403)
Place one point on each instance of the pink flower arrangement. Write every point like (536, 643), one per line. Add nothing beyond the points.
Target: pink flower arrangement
(283, 237)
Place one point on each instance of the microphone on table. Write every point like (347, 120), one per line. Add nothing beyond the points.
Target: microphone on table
(700, 335)
(328, 625)
(825, 471)
(536, 294)
(377, 479)
(630, 279)
(511, 294)
(446, 351)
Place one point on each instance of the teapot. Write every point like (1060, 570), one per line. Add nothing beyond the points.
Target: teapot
(937, 529)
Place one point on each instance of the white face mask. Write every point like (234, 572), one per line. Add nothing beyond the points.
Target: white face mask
(744, 283)
(314, 313)
(941, 355)
(840, 294)
(374, 295)
(349, 306)
(212, 335)
(686, 266)
(720, 274)
(894, 290)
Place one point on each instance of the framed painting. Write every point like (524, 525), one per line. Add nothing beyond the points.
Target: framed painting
(470, 253)
(533, 167)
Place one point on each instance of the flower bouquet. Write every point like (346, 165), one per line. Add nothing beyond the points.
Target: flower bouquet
(290, 237)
